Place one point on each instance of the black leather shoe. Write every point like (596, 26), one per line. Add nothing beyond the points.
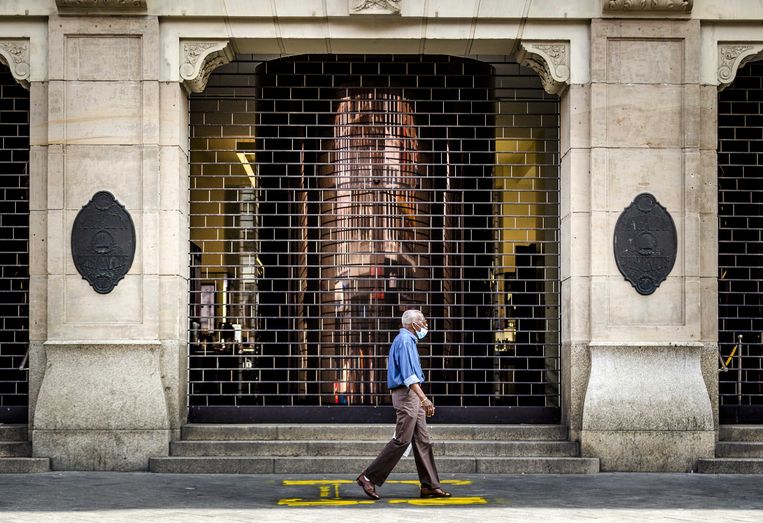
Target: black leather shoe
(427, 492)
(368, 487)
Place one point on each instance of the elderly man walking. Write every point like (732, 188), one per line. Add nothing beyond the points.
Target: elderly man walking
(404, 379)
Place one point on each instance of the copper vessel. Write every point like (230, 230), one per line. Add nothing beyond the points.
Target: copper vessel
(374, 237)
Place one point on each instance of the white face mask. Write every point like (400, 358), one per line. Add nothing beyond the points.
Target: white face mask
(420, 333)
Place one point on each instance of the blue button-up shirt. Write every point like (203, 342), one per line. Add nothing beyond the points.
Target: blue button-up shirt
(403, 366)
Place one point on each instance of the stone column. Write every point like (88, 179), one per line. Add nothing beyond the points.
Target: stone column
(647, 405)
(109, 391)
(575, 233)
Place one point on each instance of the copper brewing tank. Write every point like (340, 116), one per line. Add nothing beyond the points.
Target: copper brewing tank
(374, 236)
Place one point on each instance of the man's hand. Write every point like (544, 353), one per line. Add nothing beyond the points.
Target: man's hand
(428, 407)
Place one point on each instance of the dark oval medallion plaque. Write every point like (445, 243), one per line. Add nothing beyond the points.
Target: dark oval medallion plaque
(103, 242)
(645, 243)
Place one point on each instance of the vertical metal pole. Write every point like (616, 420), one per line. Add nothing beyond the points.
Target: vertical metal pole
(739, 370)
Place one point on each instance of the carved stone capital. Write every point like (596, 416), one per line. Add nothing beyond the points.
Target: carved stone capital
(375, 7)
(733, 56)
(551, 60)
(198, 58)
(101, 6)
(681, 6)
(15, 54)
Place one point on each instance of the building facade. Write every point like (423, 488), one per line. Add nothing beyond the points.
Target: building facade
(216, 211)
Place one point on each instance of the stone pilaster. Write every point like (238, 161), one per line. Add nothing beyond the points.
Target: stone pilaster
(575, 238)
(101, 403)
(647, 406)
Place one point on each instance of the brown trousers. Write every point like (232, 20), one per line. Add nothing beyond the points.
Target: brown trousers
(411, 427)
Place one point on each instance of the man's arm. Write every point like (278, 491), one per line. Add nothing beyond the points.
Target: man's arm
(425, 402)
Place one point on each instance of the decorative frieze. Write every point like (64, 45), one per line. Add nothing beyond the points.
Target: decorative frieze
(683, 6)
(375, 7)
(551, 60)
(733, 56)
(199, 58)
(100, 6)
(15, 54)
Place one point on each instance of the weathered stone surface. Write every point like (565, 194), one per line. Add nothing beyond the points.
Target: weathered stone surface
(106, 112)
(665, 307)
(647, 408)
(113, 168)
(125, 393)
(82, 306)
(38, 114)
(750, 433)
(730, 466)
(575, 376)
(647, 451)
(646, 387)
(24, 465)
(658, 61)
(114, 57)
(642, 115)
(174, 369)
(575, 116)
(108, 449)
(138, 36)
(369, 432)
(632, 171)
(575, 182)
(659, 36)
(120, 417)
(37, 363)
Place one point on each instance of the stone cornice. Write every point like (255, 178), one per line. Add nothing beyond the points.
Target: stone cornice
(375, 7)
(98, 7)
(550, 59)
(198, 58)
(636, 6)
(732, 56)
(14, 52)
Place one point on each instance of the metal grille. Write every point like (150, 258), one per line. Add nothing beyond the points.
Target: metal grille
(740, 247)
(330, 193)
(14, 249)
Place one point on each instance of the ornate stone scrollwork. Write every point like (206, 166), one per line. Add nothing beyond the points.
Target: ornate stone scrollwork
(102, 5)
(551, 60)
(375, 7)
(198, 58)
(15, 54)
(683, 6)
(733, 56)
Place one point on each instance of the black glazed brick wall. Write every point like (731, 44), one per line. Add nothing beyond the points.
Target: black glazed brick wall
(740, 232)
(14, 243)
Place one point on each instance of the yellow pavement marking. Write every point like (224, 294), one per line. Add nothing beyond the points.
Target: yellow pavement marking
(299, 502)
(325, 489)
(468, 500)
(318, 482)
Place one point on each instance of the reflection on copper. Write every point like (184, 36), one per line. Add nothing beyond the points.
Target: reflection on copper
(375, 230)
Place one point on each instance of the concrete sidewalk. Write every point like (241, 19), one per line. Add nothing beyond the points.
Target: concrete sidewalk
(107, 496)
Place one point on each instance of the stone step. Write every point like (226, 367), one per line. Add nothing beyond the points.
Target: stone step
(739, 449)
(298, 448)
(15, 449)
(730, 466)
(24, 465)
(353, 465)
(740, 433)
(375, 432)
(14, 432)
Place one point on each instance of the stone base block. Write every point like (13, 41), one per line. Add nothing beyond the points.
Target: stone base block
(101, 406)
(648, 450)
(647, 408)
(114, 450)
